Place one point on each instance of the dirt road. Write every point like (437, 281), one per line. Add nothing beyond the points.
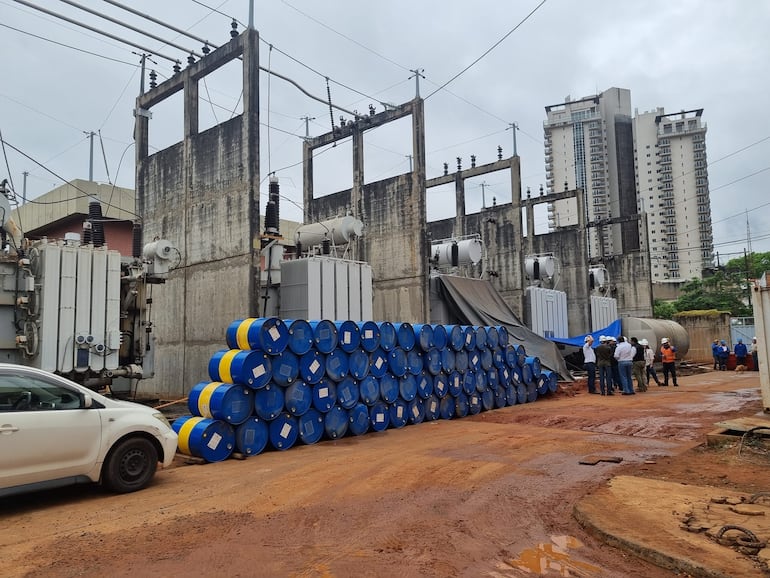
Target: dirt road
(488, 495)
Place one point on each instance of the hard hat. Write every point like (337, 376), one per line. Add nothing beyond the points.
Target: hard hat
(754, 338)
(589, 338)
(602, 338)
(611, 338)
(664, 340)
(644, 342)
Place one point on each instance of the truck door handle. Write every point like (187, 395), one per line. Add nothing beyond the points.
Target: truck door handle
(7, 428)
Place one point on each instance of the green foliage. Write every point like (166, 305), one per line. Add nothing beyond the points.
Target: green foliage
(663, 309)
(722, 291)
(751, 266)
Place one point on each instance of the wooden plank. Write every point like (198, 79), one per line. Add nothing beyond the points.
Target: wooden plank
(593, 460)
(744, 424)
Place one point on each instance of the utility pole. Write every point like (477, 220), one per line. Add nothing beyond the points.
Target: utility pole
(514, 127)
(24, 188)
(748, 232)
(483, 199)
(307, 120)
(417, 74)
(91, 135)
(410, 162)
(251, 14)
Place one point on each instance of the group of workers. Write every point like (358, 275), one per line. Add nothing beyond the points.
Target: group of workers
(721, 353)
(619, 361)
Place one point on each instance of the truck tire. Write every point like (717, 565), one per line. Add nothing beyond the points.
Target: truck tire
(130, 465)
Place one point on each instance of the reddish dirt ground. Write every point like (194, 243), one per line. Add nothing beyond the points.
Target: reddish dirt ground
(488, 495)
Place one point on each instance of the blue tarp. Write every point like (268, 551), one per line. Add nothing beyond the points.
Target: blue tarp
(578, 341)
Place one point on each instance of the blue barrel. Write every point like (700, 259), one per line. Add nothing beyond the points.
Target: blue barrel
(511, 356)
(298, 398)
(336, 422)
(414, 361)
(284, 431)
(511, 396)
(358, 417)
(493, 337)
(486, 359)
(311, 426)
(397, 363)
(203, 437)
(388, 336)
(469, 337)
(516, 378)
(431, 406)
(503, 336)
(324, 335)
(432, 361)
(447, 359)
(416, 411)
(526, 375)
(461, 361)
(269, 401)
(370, 335)
(481, 381)
(521, 393)
(378, 363)
(474, 360)
(541, 383)
(425, 384)
(501, 397)
(454, 384)
(249, 367)
(455, 337)
(348, 335)
(379, 416)
(251, 436)
(440, 337)
(312, 367)
(446, 407)
(285, 368)
(474, 403)
(337, 365)
(324, 395)
(441, 383)
(358, 363)
(347, 393)
(461, 405)
(300, 336)
(553, 380)
(488, 399)
(532, 391)
(534, 364)
(498, 358)
(469, 383)
(369, 390)
(522, 355)
(504, 376)
(481, 336)
(229, 402)
(268, 334)
(407, 387)
(423, 335)
(493, 378)
(405, 336)
(389, 388)
(399, 413)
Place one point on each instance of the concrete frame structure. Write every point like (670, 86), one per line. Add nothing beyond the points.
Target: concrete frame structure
(202, 194)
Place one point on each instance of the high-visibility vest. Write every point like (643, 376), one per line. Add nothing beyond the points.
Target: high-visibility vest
(668, 355)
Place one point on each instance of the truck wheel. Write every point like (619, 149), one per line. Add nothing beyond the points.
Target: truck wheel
(130, 466)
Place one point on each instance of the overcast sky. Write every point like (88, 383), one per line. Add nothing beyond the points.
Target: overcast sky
(678, 55)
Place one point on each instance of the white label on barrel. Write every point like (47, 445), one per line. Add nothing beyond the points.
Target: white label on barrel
(346, 338)
(323, 392)
(285, 430)
(274, 333)
(474, 360)
(433, 405)
(368, 334)
(346, 395)
(457, 380)
(415, 411)
(378, 363)
(474, 399)
(314, 366)
(379, 418)
(258, 371)
(214, 441)
(400, 412)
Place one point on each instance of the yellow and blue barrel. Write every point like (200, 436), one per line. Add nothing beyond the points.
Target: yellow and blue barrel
(300, 336)
(336, 422)
(324, 335)
(298, 398)
(379, 417)
(348, 335)
(358, 416)
(370, 335)
(285, 368)
(431, 406)
(455, 337)
(251, 436)
(405, 335)
(229, 402)
(312, 366)
(347, 393)
(203, 437)
(268, 334)
(369, 390)
(423, 335)
(324, 395)
(388, 336)
(416, 411)
(283, 431)
(399, 413)
(269, 401)
(249, 367)
(358, 363)
(389, 388)
(311, 426)
(440, 337)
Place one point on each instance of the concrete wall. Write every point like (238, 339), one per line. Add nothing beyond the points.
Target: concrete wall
(703, 329)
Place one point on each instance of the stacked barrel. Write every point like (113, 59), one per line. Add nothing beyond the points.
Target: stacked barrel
(283, 382)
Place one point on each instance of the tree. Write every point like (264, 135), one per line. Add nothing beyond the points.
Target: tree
(720, 291)
(663, 309)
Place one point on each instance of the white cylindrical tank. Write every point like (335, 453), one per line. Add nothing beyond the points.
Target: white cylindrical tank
(339, 231)
(542, 267)
(653, 330)
(600, 275)
(468, 251)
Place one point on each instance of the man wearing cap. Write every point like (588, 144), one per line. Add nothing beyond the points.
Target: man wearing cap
(755, 353)
(668, 356)
(589, 362)
(649, 361)
(741, 351)
(624, 353)
(604, 364)
(639, 365)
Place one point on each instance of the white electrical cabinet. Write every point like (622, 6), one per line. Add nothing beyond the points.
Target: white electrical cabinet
(547, 310)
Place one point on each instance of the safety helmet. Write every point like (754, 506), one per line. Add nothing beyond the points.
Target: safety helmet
(664, 340)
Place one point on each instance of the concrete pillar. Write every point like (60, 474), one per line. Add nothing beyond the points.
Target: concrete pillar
(358, 172)
(459, 205)
(307, 179)
(760, 298)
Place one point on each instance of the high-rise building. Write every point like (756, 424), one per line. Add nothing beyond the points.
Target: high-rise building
(589, 145)
(672, 180)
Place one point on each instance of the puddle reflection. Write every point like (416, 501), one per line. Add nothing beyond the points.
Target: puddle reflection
(554, 559)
